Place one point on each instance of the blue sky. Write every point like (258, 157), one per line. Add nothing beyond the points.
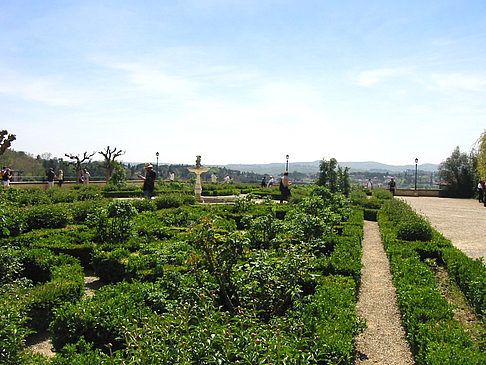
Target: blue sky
(244, 81)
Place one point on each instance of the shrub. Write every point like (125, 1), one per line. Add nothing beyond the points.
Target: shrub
(372, 203)
(109, 265)
(469, 274)
(62, 195)
(121, 213)
(12, 222)
(262, 230)
(168, 201)
(105, 318)
(81, 210)
(417, 229)
(370, 214)
(382, 194)
(66, 285)
(435, 337)
(13, 330)
(33, 196)
(47, 216)
(143, 205)
(89, 193)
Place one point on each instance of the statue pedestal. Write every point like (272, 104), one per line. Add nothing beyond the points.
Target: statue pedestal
(198, 188)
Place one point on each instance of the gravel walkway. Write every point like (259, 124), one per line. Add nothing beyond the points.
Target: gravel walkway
(383, 342)
(463, 221)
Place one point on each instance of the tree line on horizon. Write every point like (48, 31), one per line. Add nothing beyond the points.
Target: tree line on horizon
(460, 172)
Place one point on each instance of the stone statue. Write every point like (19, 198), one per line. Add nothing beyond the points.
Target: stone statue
(198, 170)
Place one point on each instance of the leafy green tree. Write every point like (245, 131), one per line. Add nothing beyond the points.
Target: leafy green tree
(119, 175)
(458, 171)
(333, 176)
(344, 183)
(328, 174)
(482, 156)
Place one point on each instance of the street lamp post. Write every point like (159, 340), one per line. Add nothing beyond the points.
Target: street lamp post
(287, 164)
(157, 154)
(416, 162)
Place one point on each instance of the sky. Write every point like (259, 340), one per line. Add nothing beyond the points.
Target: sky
(244, 81)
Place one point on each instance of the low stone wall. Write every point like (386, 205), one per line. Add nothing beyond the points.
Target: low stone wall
(418, 192)
(65, 184)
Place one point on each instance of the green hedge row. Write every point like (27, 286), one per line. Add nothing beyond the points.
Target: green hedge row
(39, 196)
(34, 283)
(435, 337)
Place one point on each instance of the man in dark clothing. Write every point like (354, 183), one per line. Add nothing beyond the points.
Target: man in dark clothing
(393, 186)
(50, 178)
(284, 187)
(148, 181)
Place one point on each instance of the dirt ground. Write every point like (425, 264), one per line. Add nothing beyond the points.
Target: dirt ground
(463, 221)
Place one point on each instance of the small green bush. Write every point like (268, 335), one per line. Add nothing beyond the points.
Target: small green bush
(143, 205)
(13, 330)
(370, 214)
(109, 265)
(12, 222)
(382, 194)
(165, 201)
(46, 216)
(82, 209)
(416, 229)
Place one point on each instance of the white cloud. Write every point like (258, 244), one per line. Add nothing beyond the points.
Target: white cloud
(158, 81)
(45, 89)
(459, 81)
(372, 77)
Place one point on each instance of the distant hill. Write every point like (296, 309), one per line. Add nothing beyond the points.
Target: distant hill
(313, 167)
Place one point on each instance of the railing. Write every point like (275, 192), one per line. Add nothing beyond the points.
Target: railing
(65, 184)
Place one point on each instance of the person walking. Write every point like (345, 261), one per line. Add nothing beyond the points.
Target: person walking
(171, 176)
(6, 177)
(284, 187)
(483, 184)
(60, 178)
(86, 177)
(392, 185)
(270, 182)
(51, 176)
(148, 181)
(481, 191)
(369, 184)
(264, 182)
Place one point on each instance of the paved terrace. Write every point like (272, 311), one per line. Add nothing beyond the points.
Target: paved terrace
(463, 221)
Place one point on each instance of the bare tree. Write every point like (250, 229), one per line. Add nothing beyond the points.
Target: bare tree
(78, 162)
(110, 156)
(6, 142)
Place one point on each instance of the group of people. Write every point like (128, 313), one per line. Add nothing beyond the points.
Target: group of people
(482, 192)
(284, 185)
(269, 183)
(6, 176)
(51, 177)
(392, 185)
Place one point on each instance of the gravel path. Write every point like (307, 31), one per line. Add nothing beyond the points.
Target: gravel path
(383, 342)
(463, 221)
(41, 342)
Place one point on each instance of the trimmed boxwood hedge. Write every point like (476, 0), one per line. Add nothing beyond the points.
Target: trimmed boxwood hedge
(435, 337)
